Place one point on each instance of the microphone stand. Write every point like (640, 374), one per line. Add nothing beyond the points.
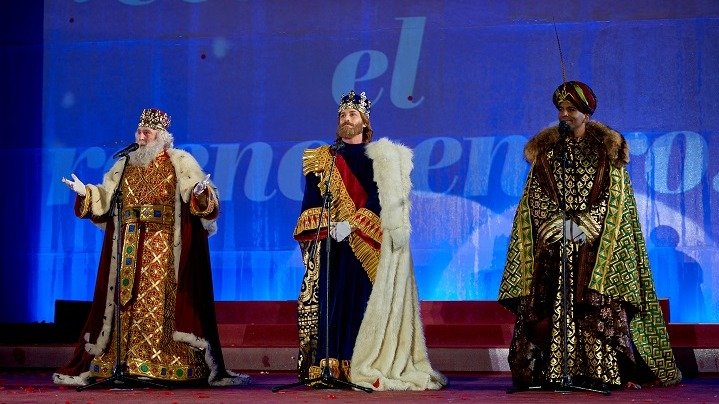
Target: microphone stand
(326, 377)
(567, 384)
(118, 377)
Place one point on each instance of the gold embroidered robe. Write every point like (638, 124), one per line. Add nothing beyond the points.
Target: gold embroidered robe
(147, 282)
(169, 327)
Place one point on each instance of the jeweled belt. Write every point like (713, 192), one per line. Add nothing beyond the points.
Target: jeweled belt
(162, 214)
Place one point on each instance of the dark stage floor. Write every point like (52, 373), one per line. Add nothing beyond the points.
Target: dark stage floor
(35, 386)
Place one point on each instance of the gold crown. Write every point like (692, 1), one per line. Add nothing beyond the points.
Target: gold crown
(154, 118)
(354, 101)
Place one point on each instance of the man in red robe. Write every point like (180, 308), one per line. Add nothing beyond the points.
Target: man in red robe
(166, 303)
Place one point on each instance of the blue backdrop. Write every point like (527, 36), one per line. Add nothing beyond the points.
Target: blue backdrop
(251, 84)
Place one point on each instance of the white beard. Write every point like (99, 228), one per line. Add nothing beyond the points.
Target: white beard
(146, 154)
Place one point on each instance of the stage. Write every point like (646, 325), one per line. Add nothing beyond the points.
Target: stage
(467, 340)
(35, 386)
(261, 336)
(250, 85)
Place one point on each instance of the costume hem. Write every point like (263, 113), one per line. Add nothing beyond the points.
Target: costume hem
(213, 379)
(67, 380)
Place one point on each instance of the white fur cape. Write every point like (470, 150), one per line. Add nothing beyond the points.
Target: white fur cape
(390, 352)
(188, 174)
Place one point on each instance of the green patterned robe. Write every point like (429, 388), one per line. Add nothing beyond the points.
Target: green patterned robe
(613, 312)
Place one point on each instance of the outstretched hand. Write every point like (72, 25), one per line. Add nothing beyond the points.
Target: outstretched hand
(201, 186)
(75, 184)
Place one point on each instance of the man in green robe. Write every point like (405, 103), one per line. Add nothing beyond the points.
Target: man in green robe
(578, 195)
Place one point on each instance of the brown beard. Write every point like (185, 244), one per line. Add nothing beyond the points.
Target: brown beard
(349, 131)
(146, 154)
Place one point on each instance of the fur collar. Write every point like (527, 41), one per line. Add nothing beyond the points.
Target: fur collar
(614, 143)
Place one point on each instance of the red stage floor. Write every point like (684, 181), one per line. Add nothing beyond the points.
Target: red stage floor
(35, 386)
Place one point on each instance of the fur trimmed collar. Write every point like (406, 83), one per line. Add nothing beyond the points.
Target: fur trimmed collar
(614, 143)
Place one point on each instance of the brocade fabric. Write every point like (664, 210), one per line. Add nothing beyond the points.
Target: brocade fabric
(148, 318)
(612, 311)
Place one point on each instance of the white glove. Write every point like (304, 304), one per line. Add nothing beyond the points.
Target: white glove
(201, 186)
(400, 237)
(574, 231)
(76, 185)
(340, 230)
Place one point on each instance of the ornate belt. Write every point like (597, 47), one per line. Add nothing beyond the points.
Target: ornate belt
(162, 214)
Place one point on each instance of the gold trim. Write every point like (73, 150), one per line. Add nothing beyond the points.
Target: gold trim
(367, 255)
(158, 371)
(129, 261)
(310, 220)
(316, 160)
(368, 223)
(338, 369)
(211, 202)
(161, 214)
(526, 250)
(592, 227)
(85, 203)
(611, 226)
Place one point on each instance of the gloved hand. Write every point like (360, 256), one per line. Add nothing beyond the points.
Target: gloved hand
(75, 184)
(340, 230)
(574, 231)
(551, 231)
(400, 237)
(589, 226)
(201, 186)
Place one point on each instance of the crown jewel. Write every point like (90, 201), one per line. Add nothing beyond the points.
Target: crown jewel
(154, 118)
(354, 101)
(561, 94)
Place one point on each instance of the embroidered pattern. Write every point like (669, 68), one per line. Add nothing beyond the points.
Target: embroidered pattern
(148, 312)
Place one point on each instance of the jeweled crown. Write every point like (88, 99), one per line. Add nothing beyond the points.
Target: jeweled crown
(154, 118)
(355, 101)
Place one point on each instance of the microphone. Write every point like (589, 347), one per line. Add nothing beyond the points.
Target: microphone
(564, 128)
(127, 150)
(564, 131)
